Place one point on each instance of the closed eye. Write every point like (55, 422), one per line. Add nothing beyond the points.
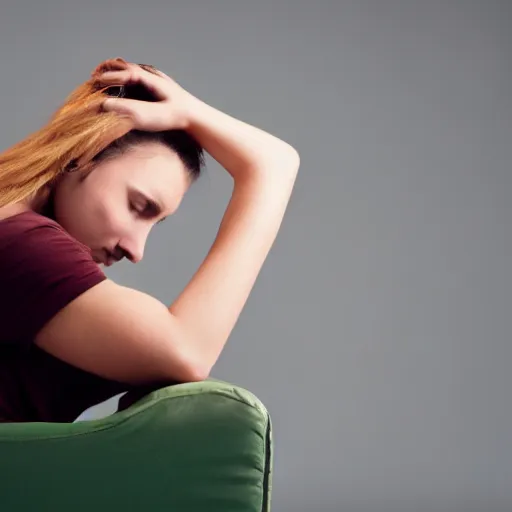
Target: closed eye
(133, 207)
(150, 209)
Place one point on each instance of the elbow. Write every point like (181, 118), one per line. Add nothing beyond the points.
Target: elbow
(289, 159)
(183, 368)
(187, 373)
(198, 373)
(284, 161)
(188, 366)
(195, 369)
(295, 158)
(292, 159)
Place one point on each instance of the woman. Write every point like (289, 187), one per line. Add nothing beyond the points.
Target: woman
(87, 189)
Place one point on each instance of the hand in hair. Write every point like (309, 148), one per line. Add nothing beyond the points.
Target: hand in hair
(169, 109)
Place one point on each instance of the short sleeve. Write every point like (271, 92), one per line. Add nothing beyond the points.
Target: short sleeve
(42, 269)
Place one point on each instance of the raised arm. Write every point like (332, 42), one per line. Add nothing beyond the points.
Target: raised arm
(129, 336)
(264, 169)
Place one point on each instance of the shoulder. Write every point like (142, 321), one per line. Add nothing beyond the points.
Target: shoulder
(42, 269)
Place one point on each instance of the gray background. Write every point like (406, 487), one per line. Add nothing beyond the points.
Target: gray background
(378, 332)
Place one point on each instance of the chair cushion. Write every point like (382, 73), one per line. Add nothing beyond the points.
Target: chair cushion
(194, 447)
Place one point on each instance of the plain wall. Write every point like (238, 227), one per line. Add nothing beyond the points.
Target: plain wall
(378, 332)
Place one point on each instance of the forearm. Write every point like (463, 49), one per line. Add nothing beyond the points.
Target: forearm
(240, 148)
(264, 169)
(209, 306)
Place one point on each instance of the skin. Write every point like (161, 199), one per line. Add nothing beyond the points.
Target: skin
(106, 208)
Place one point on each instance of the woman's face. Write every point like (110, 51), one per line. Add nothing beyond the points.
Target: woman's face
(115, 206)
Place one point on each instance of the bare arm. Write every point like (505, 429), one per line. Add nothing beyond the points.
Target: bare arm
(264, 169)
(129, 336)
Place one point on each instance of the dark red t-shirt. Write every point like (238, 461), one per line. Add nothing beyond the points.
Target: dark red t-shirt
(42, 269)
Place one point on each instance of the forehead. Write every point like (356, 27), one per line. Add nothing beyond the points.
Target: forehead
(159, 173)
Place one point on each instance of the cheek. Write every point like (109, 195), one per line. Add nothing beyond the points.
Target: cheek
(95, 222)
(114, 220)
(111, 221)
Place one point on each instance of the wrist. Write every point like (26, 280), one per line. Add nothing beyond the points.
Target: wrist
(191, 106)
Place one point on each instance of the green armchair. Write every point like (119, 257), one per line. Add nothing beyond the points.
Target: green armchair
(193, 447)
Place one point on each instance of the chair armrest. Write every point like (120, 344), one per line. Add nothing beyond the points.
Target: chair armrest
(199, 446)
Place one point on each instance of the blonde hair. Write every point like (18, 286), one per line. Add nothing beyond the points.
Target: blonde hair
(75, 133)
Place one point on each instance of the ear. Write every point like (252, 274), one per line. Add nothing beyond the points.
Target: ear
(82, 170)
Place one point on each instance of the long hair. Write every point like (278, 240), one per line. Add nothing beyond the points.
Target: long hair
(76, 133)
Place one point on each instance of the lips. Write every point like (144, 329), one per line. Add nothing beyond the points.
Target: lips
(106, 258)
(109, 258)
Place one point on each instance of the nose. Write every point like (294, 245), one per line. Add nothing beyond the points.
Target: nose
(134, 254)
(131, 249)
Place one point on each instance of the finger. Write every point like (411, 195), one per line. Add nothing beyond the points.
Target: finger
(149, 68)
(111, 77)
(121, 106)
(163, 75)
(152, 69)
(134, 74)
(151, 114)
(110, 65)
